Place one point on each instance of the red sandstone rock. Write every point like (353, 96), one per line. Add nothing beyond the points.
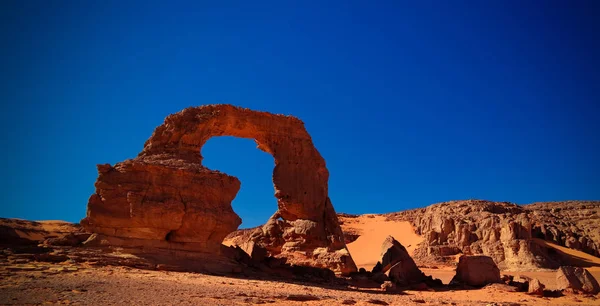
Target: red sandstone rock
(536, 287)
(576, 278)
(255, 251)
(395, 258)
(165, 197)
(476, 271)
(504, 231)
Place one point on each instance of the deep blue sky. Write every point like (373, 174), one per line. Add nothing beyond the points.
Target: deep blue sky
(409, 102)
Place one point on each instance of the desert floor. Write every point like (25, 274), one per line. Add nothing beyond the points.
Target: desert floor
(83, 284)
(373, 229)
(126, 286)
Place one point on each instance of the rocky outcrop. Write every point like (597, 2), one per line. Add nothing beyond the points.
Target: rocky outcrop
(573, 224)
(22, 232)
(476, 271)
(166, 198)
(504, 231)
(576, 278)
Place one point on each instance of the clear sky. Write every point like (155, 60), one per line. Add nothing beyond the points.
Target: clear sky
(409, 102)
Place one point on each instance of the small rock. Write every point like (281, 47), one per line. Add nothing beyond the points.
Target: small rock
(388, 286)
(507, 278)
(535, 287)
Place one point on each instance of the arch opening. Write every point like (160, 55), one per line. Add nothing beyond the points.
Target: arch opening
(255, 202)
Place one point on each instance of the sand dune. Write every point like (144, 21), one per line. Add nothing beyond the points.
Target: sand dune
(373, 229)
(576, 258)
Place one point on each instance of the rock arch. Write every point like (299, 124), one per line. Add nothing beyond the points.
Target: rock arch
(165, 197)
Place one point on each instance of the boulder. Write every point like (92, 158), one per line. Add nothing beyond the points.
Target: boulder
(402, 268)
(536, 287)
(576, 278)
(165, 197)
(476, 271)
(255, 251)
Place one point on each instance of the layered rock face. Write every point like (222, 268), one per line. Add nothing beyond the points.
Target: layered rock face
(165, 198)
(504, 231)
(573, 224)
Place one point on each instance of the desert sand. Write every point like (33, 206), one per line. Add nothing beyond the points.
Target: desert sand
(86, 285)
(373, 229)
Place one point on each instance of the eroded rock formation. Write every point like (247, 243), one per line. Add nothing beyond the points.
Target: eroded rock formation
(165, 198)
(573, 224)
(507, 232)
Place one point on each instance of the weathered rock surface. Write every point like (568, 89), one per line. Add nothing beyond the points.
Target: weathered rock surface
(576, 278)
(573, 224)
(255, 251)
(165, 197)
(395, 258)
(23, 232)
(504, 231)
(536, 287)
(476, 271)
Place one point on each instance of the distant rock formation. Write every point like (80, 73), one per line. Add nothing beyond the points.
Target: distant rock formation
(504, 231)
(573, 224)
(166, 198)
(16, 232)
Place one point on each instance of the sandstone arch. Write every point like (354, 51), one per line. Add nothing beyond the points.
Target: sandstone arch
(165, 197)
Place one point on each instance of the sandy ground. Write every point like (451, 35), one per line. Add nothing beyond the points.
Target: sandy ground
(366, 250)
(126, 286)
(82, 284)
